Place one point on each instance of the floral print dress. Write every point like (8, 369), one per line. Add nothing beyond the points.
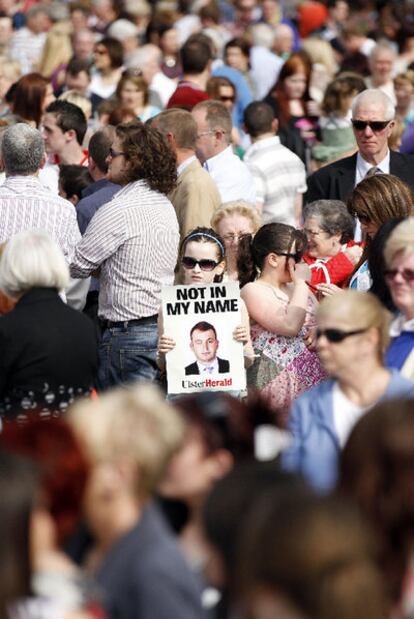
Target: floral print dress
(284, 367)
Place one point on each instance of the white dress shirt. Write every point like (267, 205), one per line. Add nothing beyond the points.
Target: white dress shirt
(232, 177)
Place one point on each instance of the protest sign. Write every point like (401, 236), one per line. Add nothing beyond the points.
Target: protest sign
(201, 320)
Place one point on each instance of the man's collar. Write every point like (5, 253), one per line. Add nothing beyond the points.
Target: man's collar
(184, 164)
(363, 165)
(217, 159)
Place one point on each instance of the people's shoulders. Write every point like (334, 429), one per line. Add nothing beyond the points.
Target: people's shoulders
(98, 198)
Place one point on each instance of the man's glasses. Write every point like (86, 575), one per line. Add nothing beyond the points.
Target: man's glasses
(223, 99)
(204, 264)
(337, 335)
(406, 274)
(115, 153)
(375, 125)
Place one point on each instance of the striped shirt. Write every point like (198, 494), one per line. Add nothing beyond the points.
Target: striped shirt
(279, 175)
(25, 204)
(133, 239)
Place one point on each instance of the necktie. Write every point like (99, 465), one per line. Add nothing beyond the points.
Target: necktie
(373, 171)
(208, 369)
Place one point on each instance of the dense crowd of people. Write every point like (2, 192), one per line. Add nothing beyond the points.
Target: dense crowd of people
(260, 146)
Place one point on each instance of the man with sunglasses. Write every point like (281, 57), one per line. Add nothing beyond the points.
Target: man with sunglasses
(373, 121)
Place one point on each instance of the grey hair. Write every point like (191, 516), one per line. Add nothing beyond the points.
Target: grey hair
(380, 47)
(374, 95)
(333, 218)
(32, 259)
(22, 149)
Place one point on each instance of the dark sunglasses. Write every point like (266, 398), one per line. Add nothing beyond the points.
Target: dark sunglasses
(296, 257)
(406, 274)
(224, 99)
(336, 335)
(204, 264)
(375, 125)
(115, 153)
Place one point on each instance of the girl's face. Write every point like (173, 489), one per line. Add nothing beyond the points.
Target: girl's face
(200, 255)
(295, 85)
(131, 97)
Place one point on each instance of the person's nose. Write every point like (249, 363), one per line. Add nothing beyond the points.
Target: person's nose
(197, 267)
(368, 132)
(205, 347)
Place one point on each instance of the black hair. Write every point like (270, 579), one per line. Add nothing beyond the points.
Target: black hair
(69, 116)
(376, 263)
(194, 56)
(74, 179)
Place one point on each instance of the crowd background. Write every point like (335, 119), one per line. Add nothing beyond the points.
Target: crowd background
(190, 142)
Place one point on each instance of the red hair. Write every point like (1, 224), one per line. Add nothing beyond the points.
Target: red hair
(28, 96)
(63, 466)
(298, 61)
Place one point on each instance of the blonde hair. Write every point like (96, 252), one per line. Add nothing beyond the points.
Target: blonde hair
(401, 240)
(73, 96)
(236, 207)
(130, 424)
(366, 310)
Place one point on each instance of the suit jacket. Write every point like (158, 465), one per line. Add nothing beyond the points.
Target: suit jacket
(315, 448)
(195, 198)
(144, 575)
(48, 354)
(337, 180)
(223, 367)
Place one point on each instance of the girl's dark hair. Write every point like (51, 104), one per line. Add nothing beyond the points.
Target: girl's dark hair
(271, 238)
(376, 263)
(18, 496)
(202, 235)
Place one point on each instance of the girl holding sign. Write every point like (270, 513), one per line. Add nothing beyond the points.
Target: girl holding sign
(281, 307)
(201, 260)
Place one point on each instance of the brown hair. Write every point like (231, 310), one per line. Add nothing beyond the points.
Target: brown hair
(379, 198)
(377, 471)
(150, 156)
(217, 116)
(28, 97)
(137, 80)
(181, 124)
(298, 61)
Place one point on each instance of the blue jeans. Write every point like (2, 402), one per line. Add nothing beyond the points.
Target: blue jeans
(128, 355)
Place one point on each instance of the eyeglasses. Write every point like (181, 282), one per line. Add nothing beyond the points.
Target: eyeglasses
(101, 51)
(312, 232)
(406, 274)
(204, 264)
(223, 99)
(296, 257)
(337, 335)
(231, 236)
(375, 125)
(200, 135)
(115, 153)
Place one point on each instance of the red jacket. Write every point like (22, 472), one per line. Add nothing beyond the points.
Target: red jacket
(335, 270)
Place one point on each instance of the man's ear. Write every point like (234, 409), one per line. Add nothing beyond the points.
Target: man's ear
(275, 125)
(71, 135)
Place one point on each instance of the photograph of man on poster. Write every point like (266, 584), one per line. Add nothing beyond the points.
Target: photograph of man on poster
(204, 345)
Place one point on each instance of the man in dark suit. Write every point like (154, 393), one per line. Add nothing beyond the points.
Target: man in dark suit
(373, 120)
(204, 344)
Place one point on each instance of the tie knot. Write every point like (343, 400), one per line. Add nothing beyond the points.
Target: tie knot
(372, 172)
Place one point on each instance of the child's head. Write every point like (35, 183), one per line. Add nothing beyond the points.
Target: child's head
(201, 257)
(340, 92)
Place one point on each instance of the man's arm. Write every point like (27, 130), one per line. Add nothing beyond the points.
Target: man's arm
(104, 235)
